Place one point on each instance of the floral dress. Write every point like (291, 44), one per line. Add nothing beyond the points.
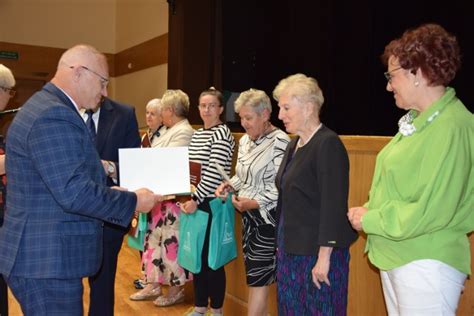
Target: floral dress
(159, 259)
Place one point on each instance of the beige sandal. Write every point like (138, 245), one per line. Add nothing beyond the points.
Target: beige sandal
(168, 300)
(146, 294)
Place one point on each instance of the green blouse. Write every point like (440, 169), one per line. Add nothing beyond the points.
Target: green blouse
(421, 203)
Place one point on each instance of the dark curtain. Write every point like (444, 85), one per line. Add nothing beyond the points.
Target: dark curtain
(339, 43)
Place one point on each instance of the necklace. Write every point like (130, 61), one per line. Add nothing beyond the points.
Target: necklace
(268, 129)
(300, 142)
(257, 141)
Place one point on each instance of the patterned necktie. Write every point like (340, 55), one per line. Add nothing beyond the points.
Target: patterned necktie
(91, 125)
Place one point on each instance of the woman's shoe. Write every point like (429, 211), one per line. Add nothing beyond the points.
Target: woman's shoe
(146, 294)
(192, 312)
(168, 300)
(139, 284)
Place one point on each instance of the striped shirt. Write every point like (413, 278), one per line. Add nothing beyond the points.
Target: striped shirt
(257, 165)
(209, 146)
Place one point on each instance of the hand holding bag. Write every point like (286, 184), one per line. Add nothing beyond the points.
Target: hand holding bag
(191, 239)
(222, 245)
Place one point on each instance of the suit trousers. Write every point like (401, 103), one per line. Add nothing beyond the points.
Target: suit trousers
(3, 297)
(47, 297)
(102, 285)
(422, 287)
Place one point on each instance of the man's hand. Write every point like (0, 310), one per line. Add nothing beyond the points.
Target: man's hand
(146, 199)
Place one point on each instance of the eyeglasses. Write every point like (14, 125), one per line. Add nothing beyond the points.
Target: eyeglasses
(388, 74)
(210, 106)
(10, 91)
(104, 81)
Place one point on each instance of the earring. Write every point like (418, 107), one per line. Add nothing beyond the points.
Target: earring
(416, 83)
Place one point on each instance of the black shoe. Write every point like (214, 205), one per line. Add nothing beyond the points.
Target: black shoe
(138, 283)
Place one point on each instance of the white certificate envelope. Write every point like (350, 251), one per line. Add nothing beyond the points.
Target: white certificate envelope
(162, 170)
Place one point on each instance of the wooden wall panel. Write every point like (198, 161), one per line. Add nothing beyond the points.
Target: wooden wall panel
(34, 62)
(148, 54)
(38, 62)
(37, 65)
(365, 290)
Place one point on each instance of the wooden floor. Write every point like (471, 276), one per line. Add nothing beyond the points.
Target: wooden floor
(127, 271)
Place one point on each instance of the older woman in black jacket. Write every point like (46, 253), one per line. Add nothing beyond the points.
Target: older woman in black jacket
(313, 234)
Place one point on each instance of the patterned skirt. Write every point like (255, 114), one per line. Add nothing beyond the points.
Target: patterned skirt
(259, 251)
(298, 295)
(160, 255)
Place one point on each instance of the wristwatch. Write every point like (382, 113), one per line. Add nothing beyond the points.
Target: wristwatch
(110, 168)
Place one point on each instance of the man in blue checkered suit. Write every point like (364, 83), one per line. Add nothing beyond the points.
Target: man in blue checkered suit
(57, 194)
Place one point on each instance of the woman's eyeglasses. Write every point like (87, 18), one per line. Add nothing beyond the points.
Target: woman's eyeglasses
(388, 74)
(10, 91)
(210, 106)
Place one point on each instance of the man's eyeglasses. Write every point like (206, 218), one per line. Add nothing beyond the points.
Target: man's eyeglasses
(388, 74)
(210, 106)
(10, 91)
(104, 81)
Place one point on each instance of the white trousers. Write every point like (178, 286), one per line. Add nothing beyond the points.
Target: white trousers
(422, 288)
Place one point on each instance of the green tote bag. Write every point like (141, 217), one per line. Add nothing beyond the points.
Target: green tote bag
(192, 231)
(138, 241)
(222, 245)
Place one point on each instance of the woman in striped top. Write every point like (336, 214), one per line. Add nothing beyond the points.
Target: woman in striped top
(261, 150)
(210, 145)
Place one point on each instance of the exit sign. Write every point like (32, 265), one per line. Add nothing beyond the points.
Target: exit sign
(8, 54)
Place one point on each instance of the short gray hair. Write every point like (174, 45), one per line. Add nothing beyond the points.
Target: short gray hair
(6, 77)
(154, 104)
(258, 100)
(302, 88)
(177, 100)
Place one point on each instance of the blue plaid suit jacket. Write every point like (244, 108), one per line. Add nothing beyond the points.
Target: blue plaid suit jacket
(57, 194)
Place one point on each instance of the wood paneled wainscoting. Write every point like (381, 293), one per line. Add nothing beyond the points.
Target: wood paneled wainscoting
(365, 291)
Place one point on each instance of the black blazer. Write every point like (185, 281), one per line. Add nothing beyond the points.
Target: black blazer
(313, 189)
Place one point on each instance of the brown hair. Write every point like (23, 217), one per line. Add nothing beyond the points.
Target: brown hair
(214, 92)
(428, 47)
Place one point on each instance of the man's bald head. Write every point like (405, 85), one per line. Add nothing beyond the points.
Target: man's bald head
(83, 74)
(81, 54)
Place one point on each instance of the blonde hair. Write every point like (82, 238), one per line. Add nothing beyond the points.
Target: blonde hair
(6, 77)
(302, 88)
(177, 100)
(258, 100)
